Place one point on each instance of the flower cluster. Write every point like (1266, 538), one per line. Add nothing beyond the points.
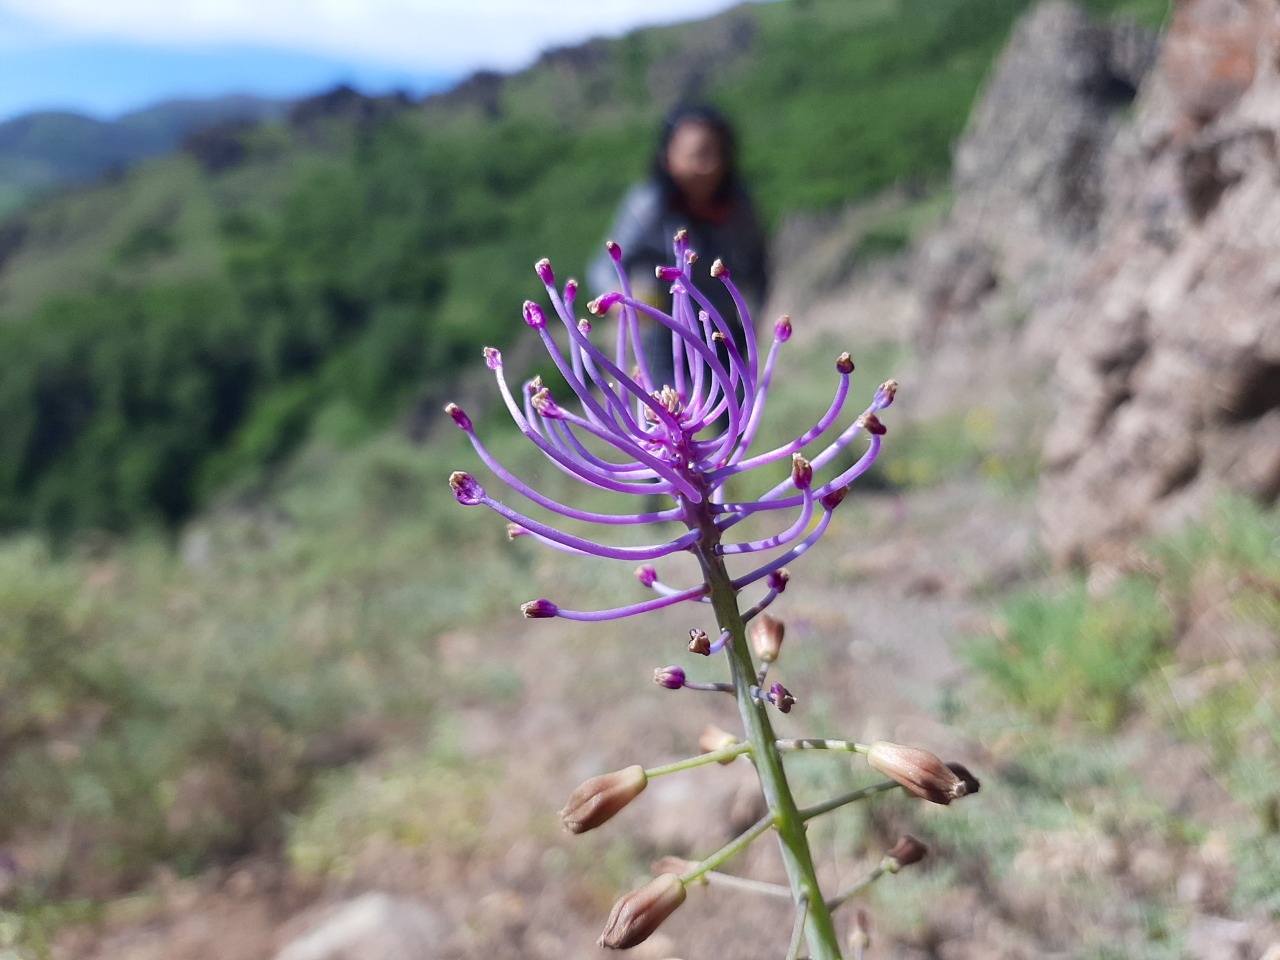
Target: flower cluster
(686, 440)
(681, 444)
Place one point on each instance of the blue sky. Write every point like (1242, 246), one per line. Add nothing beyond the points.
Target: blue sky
(106, 57)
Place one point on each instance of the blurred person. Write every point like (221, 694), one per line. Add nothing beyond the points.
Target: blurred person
(694, 185)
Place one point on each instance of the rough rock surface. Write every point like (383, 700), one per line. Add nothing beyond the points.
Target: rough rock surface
(1027, 174)
(1169, 374)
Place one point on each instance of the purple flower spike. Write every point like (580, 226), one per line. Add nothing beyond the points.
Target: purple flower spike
(534, 316)
(616, 425)
(670, 677)
(466, 488)
(459, 416)
(542, 609)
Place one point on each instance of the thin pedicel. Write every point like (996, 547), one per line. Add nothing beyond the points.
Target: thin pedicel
(629, 434)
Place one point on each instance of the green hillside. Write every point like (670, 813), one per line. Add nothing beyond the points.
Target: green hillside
(181, 328)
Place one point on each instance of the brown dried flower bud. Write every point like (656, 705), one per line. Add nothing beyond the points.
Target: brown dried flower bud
(906, 851)
(599, 798)
(639, 913)
(699, 643)
(713, 739)
(766, 637)
(844, 364)
(918, 770)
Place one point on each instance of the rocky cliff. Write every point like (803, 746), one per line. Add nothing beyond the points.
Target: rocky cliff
(1117, 220)
(1169, 375)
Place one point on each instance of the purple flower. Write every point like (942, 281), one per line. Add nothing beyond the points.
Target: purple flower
(683, 442)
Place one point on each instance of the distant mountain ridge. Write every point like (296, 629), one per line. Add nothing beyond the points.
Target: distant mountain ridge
(50, 149)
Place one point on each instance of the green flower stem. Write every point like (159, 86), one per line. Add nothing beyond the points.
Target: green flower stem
(747, 884)
(725, 753)
(819, 931)
(818, 809)
(846, 895)
(729, 850)
(815, 743)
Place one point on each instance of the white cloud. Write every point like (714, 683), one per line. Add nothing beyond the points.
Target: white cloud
(428, 34)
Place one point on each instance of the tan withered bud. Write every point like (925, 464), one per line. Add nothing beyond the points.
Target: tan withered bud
(713, 739)
(599, 798)
(906, 851)
(699, 643)
(918, 770)
(639, 913)
(766, 637)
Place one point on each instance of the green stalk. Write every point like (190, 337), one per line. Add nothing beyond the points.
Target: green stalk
(820, 933)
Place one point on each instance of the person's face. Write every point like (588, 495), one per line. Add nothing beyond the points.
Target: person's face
(695, 160)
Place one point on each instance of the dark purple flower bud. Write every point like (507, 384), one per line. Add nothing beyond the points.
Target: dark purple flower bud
(699, 643)
(646, 575)
(971, 784)
(670, 677)
(905, 852)
(543, 267)
(615, 251)
(492, 358)
(719, 270)
(920, 771)
(600, 305)
(779, 579)
(459, 416)
(871, 423)
(466, 488)
(782, 329)
(834, 498)
(570, 291)
(541, 609)
(844, 364)
(639, 913)
(766, 637)
(598, 799)
(801, 472)
(534, 316)
(667, 274)
(781, 698)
